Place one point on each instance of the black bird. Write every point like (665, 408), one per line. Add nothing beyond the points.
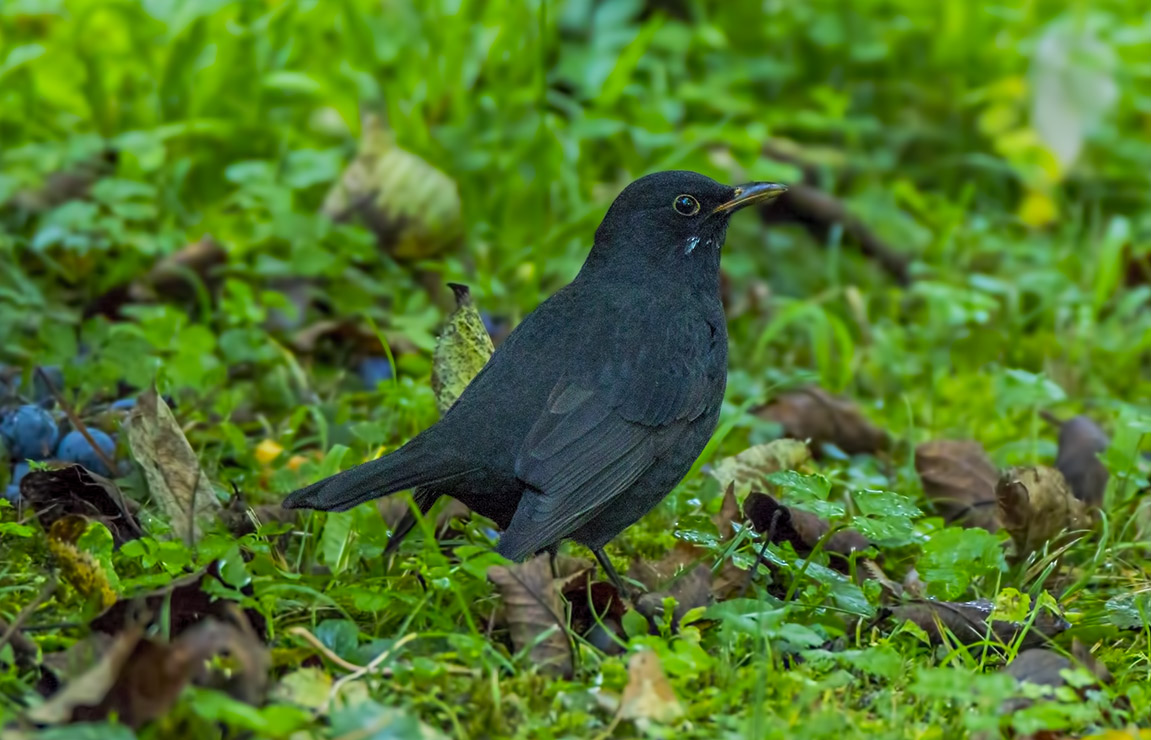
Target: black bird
(598, 403)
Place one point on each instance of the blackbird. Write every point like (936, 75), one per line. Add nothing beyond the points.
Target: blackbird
(598, 403)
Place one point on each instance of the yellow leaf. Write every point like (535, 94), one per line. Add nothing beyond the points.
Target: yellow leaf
(1038, 209)
(648, 695)
(461, 351)
(268, 450)
(82, 571)
(295, 462)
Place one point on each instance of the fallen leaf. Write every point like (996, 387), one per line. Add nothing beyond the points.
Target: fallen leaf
(185, 602)
(75, 490)
(968, 622)
(88, 689)
(80, 569)
(1080, 442)
(691, 590)
(1036, 506)
(534, 613)
(751, 467)
(595, 610)
(413, 208)
(462, 350)
(1044, 667)
(170, 467)
(800, 528)
(178, 276)
(728, 513)
(816, 415)
(960, 480)
(648, 695)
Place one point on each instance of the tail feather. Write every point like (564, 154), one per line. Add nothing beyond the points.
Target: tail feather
(407, 467)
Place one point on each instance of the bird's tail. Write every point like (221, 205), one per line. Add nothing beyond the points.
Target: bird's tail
(410, 466)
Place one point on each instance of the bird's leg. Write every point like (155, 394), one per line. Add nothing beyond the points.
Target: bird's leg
(609, 571)
(553, 560)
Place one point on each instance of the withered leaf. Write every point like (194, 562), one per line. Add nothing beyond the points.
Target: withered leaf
(1080, 442)
(139, 679)
(751, 467)
(462, 350)
(413, 208)
(534, 613)
(814, 414)
(728, 513)
(1044, 667)
(187, 604)
(968, 622)
(170, 466)
(75, 490)
(648, 695)
(1036, 506)
(800, 528)
(690, 590)
(596, 609)
(175, 276)
(960, 480)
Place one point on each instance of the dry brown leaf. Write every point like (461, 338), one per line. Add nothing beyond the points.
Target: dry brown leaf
(967, 622)
(75, 490)
(170, 466)
(1044, 667)
(816, 415)
(750, 468)
(534, 613)
(690, 590)
(648, 695)
(174, 277)
(1036, 506)
(728, 513)
(139, 680)
(800, 528)
(185, 602)
(960, 479)
(1080, 442)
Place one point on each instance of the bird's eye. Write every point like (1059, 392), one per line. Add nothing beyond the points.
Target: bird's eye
(685, 205)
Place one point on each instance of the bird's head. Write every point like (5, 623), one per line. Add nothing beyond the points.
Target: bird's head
(673, 219)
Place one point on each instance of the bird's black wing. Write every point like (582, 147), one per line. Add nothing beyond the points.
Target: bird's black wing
(617, 408)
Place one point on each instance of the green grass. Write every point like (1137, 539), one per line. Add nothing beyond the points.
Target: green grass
(234, 118)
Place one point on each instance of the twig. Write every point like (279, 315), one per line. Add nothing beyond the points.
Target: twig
(369, 668)
(48, 589)
(315, 642)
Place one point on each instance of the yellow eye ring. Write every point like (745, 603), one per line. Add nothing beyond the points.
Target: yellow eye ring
(685, 205)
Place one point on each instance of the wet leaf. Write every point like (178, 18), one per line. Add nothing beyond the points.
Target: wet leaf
(462, 350)
(953, 557)
(816, 415)
(728, 514)
(1080, 443)
(691, 590)
(139, 680)
(1045, 667)
(750, 468)
(1036, 506)
(412, 207)
(971, 621)
(648, 694)
(960, 480)
(800, 528)
(174, 477)
(75, 490)
(534, 613)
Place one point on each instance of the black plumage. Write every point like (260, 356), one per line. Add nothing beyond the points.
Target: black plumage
(598, 403)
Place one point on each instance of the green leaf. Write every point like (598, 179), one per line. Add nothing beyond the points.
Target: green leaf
(954, 557)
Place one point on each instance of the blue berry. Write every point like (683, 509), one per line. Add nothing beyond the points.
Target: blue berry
(29, 432)
(74, 448)
(19, 470)
(374, 370)
(124, 404)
